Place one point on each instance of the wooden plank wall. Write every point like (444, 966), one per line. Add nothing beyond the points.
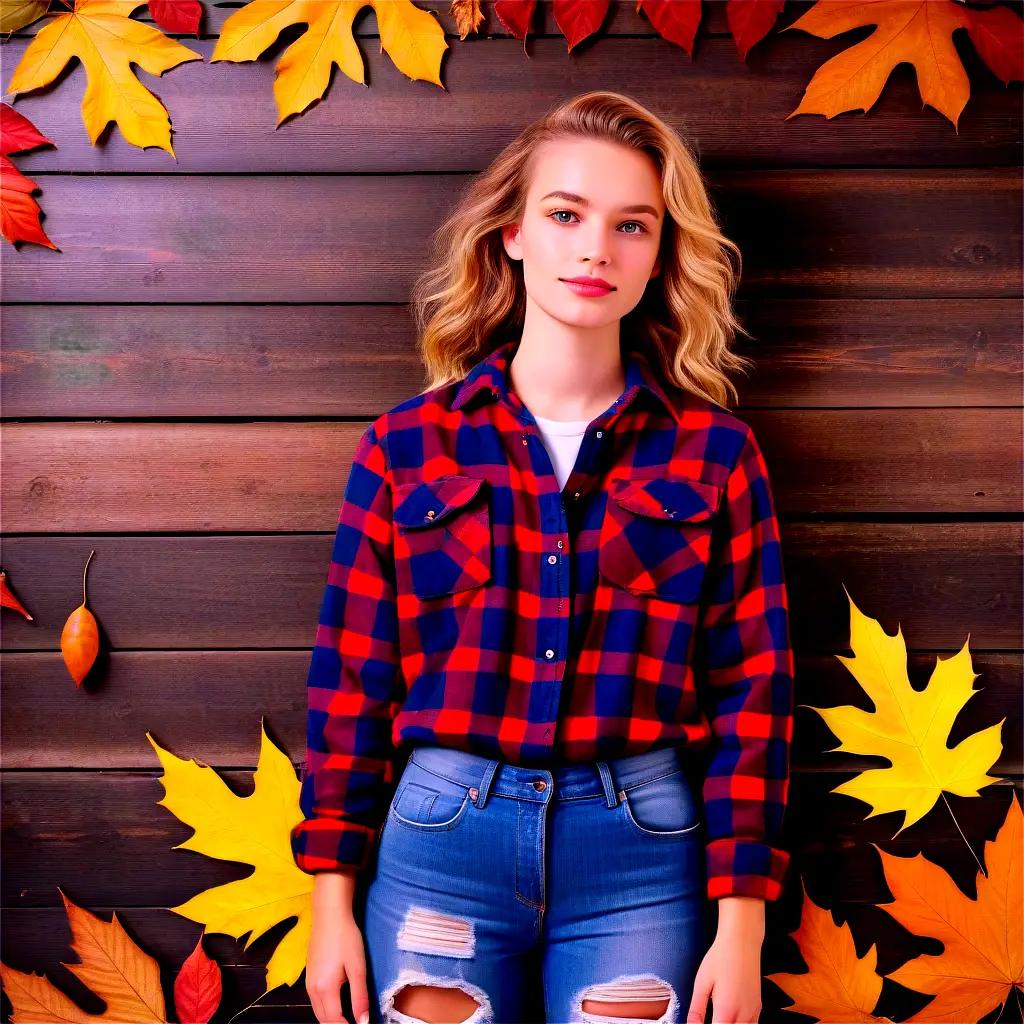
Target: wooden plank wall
(184, 384)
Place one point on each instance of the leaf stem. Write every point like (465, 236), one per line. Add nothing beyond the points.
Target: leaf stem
(84, 571)
(244, 1008)
(981, 867)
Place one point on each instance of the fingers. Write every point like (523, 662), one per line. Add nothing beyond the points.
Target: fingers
(357, 991)
(699, 1002)
(327, 1006)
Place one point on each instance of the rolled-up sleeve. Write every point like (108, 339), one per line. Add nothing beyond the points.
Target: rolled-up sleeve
(354, 684)
(746, 676)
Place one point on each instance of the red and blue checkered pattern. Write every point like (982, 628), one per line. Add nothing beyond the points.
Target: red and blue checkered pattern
(472, 603)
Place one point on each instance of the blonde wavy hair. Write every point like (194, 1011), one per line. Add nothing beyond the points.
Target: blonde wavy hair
(471, 297)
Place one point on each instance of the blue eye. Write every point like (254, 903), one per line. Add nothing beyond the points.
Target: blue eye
(642, 231)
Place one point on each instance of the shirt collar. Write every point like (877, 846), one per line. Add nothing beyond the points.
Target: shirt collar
(489, 377)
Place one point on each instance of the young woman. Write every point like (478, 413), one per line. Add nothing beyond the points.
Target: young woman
(550, 698)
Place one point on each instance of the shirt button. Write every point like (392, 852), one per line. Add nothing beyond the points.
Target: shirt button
(600, 433)
(431, 514)
(561, 545)
(549, 653)
(552, 559)
(576, 494)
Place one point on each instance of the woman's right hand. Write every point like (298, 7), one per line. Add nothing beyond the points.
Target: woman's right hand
(336, 952)
(336, 955)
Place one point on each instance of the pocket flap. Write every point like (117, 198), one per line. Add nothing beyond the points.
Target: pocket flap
(674, 500)
(425, 503)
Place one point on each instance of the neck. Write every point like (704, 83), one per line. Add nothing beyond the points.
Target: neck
(575, 379)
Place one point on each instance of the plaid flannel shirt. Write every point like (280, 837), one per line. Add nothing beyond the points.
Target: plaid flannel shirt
(472, 603)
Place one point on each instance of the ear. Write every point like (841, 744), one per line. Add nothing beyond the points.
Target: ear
(657, 268)
(510, 239)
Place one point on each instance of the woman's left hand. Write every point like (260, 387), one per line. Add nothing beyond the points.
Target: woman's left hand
(730, 973)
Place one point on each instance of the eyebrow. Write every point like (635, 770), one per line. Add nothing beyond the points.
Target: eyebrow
(573, 198)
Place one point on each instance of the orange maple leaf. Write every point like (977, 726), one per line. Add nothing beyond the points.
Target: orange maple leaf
(838, 985)
(110, 964)
(983, 958)
(918, 32)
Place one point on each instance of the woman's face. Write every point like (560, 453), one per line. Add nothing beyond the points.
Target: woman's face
(594, 209)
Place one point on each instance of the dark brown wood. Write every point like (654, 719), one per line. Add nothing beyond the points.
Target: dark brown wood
(105, 834)
(245, 308)
(223, 477)
(355, 238)
(49, 724)
(937, 581)
(339, 360)
(225, 118)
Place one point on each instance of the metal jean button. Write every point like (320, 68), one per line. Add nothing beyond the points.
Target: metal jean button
(540, 785)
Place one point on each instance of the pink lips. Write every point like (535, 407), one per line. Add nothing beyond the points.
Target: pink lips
(590, 286)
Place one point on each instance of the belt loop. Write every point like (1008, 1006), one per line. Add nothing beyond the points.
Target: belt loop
(611, 797)
(485, 783)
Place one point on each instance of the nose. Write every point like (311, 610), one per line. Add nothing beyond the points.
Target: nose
(596, 247)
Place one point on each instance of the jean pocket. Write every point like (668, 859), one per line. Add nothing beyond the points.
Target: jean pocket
(656, 536)
(665, 808)
(443, 542)
(428, 803)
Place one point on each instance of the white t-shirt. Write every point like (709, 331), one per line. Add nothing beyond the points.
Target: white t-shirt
(562, 439)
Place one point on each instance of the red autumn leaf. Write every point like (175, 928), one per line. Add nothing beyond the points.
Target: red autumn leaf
(8, 600)
(19, 212)
(515, 15)
(197, 988)
(18, 133)
(577, 21)
(750, 21)
(180, 16)
(674, 20)
(998, 36)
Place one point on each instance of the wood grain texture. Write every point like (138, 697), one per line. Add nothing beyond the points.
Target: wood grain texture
(49, 724)
(201, 590)
(184, 384)
(225, 119)
(224, 477)
(215, 361)
(362, 238)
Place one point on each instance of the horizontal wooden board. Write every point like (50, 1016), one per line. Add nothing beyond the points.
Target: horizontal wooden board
(224, 114)
(938, 581)
(362, 238)
(105, 833)
(289, 476)
(48, 723)
(337, 360)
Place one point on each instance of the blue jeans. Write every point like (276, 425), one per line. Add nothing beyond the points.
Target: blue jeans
(534, 891)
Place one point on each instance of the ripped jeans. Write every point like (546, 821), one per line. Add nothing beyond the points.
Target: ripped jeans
(544, 889)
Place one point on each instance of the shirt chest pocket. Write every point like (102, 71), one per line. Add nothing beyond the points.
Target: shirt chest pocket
(656, 536)
(443, 535)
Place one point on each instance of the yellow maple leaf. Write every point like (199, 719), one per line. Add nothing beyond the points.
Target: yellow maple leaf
(983, 939)
(16, 14)
(103, 36)
(412, 38)
(110, 964)
(838, 985)
(908, 727)
(256, 830)
(918, 32)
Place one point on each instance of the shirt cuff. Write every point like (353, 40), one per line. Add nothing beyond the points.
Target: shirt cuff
(323, 844)
(745, 867)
